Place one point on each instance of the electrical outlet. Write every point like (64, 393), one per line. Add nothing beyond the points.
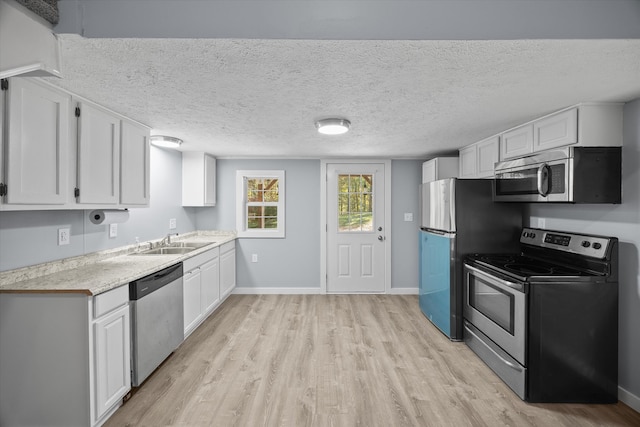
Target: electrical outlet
(408, 216)
(254, 258)
(542, 222)
(172, 224)
(64, 236)
(113, 230)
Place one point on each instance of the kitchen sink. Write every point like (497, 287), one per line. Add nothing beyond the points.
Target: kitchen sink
(165, 251)
(188, 244)
(175, 248)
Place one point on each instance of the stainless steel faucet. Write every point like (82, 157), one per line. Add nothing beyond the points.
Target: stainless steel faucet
(167, 239)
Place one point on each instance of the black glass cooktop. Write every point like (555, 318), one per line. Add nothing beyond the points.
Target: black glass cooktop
(525, 268)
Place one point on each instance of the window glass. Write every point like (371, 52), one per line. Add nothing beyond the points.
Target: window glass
(355, 203)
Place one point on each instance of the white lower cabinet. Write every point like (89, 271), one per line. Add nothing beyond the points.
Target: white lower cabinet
(227, 268)
(65, 357)
(192, 296)
(210, 285)
(112, 359)
(201, 288)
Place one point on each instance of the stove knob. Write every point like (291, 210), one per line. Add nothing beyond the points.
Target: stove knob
(586, 244)
(597, 245)
(532, 235)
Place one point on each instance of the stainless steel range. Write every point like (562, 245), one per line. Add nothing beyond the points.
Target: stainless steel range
(546, 319)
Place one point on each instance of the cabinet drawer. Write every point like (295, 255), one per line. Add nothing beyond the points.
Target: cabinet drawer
(104, 303)
(227, 247)
(197, 260)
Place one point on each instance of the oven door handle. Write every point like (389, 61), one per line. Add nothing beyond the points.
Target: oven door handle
(505, 361)
(543, 180)
(499, 282)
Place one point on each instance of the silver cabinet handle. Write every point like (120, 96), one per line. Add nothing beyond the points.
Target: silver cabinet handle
(505, 361)
(543, 179)
(498, 282)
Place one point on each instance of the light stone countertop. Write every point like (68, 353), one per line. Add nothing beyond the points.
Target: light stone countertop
(95, 273)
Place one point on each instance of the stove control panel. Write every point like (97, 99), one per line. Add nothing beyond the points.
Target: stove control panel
(582, 244)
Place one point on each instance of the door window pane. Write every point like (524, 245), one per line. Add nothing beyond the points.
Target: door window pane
(355, 203)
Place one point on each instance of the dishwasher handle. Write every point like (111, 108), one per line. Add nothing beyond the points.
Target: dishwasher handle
(148, 284)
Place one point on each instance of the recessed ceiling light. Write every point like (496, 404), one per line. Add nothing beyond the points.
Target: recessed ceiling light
(165, 141)
(333, 126)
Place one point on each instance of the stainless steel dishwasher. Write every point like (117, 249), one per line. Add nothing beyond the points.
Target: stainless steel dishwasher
(157, 325)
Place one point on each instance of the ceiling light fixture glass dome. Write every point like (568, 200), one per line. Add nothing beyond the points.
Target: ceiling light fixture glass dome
(333, 126)
(165, 141)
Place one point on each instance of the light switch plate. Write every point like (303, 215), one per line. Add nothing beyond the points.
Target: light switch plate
(113, 230)
(254, 257)
(172, 224)
(64, 236)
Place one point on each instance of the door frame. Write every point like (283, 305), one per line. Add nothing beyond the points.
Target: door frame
(323, 218)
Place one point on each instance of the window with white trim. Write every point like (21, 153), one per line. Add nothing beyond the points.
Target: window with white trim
(260, 203)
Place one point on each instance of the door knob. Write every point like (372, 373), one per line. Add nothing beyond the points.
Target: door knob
(379, 228)
(380, 238)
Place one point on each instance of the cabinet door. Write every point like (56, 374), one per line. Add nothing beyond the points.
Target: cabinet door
(209, 180)
(227, 272)
(517, 142)
(192, 303)
(134, 164)
(488, 154)
(112, 359)
(98, 156)
(429, 171)
(468, 161)
(556, 131)
(37, 144)
(210, 284)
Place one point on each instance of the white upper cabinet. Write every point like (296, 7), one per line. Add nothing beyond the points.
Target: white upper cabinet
(517, 142)
(477, 160)
(134, 164)
(36, 144)
(439, 168)
(198, 179)
(557, 130)
(28, 44)
(98, 155)
(488, 154)
(585, 125)
(468, 161)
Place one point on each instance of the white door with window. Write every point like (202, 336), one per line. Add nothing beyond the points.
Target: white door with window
(356, 248)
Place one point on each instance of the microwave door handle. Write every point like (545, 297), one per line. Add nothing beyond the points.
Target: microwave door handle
(543, 180)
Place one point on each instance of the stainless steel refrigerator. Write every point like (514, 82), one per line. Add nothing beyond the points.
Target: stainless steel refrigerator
(459, 217)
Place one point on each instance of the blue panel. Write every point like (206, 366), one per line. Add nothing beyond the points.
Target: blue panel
(435, 280)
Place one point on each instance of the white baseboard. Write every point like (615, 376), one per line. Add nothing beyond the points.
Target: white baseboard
(629, 399)
(275, 291)
(403, 291)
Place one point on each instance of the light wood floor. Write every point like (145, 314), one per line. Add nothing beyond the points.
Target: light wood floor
(314, 360)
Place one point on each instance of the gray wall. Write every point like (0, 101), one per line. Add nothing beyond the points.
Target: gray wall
(31, 237)
(406, 176)
(623, 222)
(294, 262)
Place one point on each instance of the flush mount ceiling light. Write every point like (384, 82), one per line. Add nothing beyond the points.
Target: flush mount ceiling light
(165, 141)
(333, 126)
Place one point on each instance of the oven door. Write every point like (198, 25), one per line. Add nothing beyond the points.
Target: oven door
(540, 182)
(497, 307)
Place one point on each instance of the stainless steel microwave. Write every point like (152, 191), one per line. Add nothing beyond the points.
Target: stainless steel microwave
(569, 175)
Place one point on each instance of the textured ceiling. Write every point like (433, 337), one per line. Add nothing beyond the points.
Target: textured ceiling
(260, 98)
